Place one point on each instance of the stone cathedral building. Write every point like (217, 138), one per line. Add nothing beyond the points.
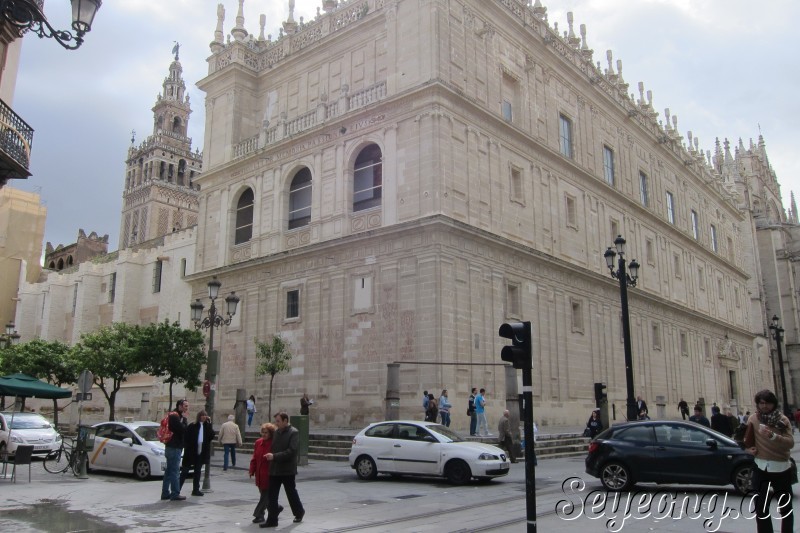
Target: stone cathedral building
(392, 180)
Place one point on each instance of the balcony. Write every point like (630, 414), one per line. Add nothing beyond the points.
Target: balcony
(16, 137)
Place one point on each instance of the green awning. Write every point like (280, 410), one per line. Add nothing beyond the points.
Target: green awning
(30, 387)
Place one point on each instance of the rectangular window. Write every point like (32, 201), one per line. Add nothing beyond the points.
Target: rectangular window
(707, 348)
(720, 291)
(614, 229)
(157, 267)
(572, 211)
(644, 194)
(516, 185)
(651, 256)
(701, 278)
(608, 165)
(508, 113)
(670, 208)
(362, 293)
(714, 243)
(183, 267)
(512, 300)
(510, 97)
(736, 296)
(112, 287)
(695, 226)
(684, 343)
(293, 303)
(656, 336)
(730, 248)
(565, 136)
(577, 316)
(676, 262)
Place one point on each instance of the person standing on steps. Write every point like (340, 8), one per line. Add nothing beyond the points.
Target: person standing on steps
(480, 410)
(230, 437)
(444, 408)
(251, 409)
(473, 416)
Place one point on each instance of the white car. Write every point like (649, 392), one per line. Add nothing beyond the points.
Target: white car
(129, 447)
(27, 428)
(400, 447)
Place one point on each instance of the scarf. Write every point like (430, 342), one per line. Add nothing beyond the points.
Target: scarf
(770, 419)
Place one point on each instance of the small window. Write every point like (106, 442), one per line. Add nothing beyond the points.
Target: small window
(74, 298)
(695, 226)
(614, 229)
(572, 212)
(649, 252)
(608, 165)
(676, 263)
(508, 113)
(362, 293)
(512, 300)
(720, 290)
(707, 348)
(670, 208)
(642, 434)
(656, 331)
(244, 217)
(701, 278)
(112, 287)
(183, 267)
(367, 178)
(565, 136)
(729, 247)
(300, 199)
(736, 296)
(382, 431)
(577, 316)
(157, 268)
(516, 185)
(644, 193)
(684, 344)
(293, 303)
(714, 243)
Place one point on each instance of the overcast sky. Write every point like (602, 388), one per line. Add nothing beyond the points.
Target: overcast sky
(724, 67)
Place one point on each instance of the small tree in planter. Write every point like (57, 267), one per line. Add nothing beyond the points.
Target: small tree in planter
(274, 357)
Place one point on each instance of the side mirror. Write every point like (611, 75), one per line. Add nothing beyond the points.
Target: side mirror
(712, 443)
(128, 441)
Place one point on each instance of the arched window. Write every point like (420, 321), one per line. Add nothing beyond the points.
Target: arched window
(181, 171)
(367, 178)
(244, 217)
(69, 261)
(60, 264)
(300, 199)
(52, 265)
(176, 125)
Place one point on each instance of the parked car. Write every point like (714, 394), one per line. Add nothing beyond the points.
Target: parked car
(402, 447)
(667, 452)
(128, 447)
(27, 428)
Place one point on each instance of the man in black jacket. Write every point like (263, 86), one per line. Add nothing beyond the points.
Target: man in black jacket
(282, 471)
(196, 450)
(171, 486)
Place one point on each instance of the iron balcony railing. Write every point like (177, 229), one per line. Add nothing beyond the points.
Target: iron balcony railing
(16, 137)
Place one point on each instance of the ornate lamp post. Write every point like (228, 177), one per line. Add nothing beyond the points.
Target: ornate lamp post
(10, 337)
(777, 332)
(625, 280)
(213, 320)
(28, 15)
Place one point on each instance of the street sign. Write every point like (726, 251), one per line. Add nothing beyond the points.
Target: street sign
(85, 381)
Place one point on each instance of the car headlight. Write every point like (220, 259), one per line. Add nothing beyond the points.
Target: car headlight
(488, 457)
(58, 437)
(17, 439)
(157, 451)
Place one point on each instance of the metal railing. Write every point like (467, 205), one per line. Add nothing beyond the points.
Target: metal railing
(16, 137)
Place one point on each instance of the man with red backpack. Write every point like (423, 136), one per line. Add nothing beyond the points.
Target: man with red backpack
(171, 486)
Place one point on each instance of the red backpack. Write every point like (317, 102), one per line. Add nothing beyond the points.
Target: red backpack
(164, 434)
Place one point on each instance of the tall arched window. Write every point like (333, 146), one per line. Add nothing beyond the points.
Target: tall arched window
(367, 178)
(176, 125)
(300, 199)
(244, 217)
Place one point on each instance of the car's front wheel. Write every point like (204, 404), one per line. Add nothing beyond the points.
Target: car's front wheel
(743, 479)
(616, 477)
(457, 472)
(365, 468)
(141, 468)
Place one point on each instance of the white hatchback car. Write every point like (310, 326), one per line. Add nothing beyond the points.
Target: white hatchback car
(30, 429)
(129, 447)
(401, 447)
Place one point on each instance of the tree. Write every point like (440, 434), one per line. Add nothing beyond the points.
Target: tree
(48, 360)
(174, 353)
(112, 354)
(273, 357)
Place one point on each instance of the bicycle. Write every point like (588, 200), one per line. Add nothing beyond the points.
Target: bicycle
(63, 459)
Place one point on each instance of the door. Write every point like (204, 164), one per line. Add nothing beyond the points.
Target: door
(416, 450)
(685, 456)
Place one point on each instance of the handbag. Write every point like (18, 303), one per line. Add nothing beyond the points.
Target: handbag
(587, 432)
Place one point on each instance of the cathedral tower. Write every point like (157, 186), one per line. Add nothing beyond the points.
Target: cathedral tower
(160, 195)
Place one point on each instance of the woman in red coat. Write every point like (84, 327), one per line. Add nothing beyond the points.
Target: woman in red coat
(259, 467)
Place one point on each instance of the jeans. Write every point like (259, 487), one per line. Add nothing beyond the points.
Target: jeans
(171, 486)
(445, 418)
(250, 417)
(482, 423)
(782, 497)
(473, 423)
(275, 483)
(229, 448)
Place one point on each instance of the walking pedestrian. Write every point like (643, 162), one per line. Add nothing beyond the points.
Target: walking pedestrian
(282, 471)
(683, 407)
(196, 450)
(425, 400)
(171, 485)
(769, 438)
(594, 425)
(305, 403)
(259, 467)
(506, 436)
(444, 408)
(641, 405)
(480, 410)
(720, 422)
(432, 411)
(230, 437)
(698, 417)
(473, 416)
(251, 409)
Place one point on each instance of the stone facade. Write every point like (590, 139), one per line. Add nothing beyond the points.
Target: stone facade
(84, 248)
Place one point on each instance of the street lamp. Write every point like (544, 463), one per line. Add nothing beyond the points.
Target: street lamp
(213, 320)
(625, 280)
(10, 337)
(28, 15)
(777, 330)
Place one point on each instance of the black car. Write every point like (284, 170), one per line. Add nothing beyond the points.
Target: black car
(667, 452)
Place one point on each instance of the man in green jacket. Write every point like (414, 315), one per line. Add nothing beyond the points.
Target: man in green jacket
(282, 471)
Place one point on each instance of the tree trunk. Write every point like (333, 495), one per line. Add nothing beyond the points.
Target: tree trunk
(269, 404)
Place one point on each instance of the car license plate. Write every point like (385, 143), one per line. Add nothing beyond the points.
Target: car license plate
(504, 466)
(39, 448)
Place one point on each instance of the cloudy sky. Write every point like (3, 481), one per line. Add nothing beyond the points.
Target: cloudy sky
(719, 65)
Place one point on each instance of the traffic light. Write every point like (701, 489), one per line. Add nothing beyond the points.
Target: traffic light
(599, 393)
(519, 353)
